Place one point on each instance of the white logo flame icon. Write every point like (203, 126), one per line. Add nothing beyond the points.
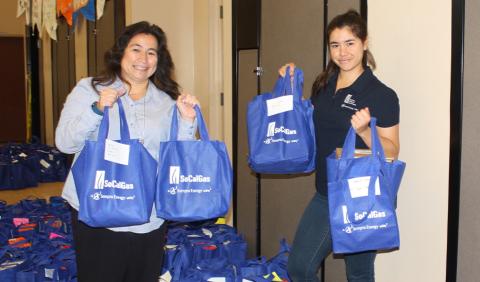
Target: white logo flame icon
(174, 174)
(99, 179)
(271, 129)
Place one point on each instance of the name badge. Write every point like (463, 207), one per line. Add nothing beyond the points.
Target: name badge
(279, 105)
(359, 186)
(116, 152)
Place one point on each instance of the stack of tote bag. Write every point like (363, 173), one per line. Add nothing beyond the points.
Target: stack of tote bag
(361, 196)
(115, 180)
(281, 137)
(194, 177)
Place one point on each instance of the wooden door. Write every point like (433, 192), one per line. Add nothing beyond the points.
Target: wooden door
(13, 109)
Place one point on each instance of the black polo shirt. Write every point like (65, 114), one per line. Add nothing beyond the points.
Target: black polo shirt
(333, 111)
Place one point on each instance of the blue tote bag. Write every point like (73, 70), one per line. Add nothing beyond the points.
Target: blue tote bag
(19, 167)
(361, 197)
(111, 192)
(281, 137)
(194, 177)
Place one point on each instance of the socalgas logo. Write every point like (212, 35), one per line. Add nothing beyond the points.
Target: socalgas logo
(101, 182)
(372, 214)
(177, 178)
(361, 215)
(272, 130)
(367, 225)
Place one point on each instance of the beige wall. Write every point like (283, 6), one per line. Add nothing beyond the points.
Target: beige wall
(201, 55)
(176, 18)
(411, 43)
(9, 23)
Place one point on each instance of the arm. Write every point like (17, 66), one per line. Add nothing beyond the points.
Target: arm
(389, 136)
(187, 122)
(78, 121)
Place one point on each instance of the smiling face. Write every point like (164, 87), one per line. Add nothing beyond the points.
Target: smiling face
(140, 58)
(346, 50)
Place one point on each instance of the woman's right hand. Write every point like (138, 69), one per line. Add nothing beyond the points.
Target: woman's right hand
(282, 71)
(108, 97)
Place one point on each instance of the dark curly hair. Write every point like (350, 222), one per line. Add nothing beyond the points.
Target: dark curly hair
(163, 76)
(358, 26)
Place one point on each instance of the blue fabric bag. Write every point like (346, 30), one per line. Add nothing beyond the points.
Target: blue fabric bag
(114, 194)
(52, 163)
(19, 168)
(189, 247)
(261, 270)
(212, 269)
(361, 196)
(194, 177)
(281, 137)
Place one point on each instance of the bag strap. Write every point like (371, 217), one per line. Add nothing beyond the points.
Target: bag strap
(202, 127)
(283, 86)
(298, 84)
(181, 262)
(104, 125)
(348, 150)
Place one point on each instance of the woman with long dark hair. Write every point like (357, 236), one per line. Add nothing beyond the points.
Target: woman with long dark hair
(345, 94)
(139, 72)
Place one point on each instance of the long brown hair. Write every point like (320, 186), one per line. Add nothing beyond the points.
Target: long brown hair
(357, 25)
(163, 76)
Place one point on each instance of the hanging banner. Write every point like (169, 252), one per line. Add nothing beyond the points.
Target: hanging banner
(37, 16)
(22, 7)
(78, 4)
(100, 7)
(65, 8)
(50, 18)
(86, 7)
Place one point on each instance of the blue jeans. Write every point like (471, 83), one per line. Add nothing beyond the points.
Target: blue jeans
(313, 243)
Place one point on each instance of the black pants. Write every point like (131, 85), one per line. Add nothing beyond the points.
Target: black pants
(103, 255)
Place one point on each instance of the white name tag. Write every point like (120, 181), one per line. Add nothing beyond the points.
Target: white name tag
(116, 152)
(359, 186)
(44, 163)
(49, 272)
(279, 105)
(216, 279)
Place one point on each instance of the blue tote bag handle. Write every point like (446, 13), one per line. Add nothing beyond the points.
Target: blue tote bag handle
(284, 86)
(104, 125)
(349, 143)
(202, 127)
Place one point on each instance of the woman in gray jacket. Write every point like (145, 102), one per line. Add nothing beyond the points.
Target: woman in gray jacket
(139, 72)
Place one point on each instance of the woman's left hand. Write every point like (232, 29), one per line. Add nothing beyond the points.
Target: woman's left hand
(185, 104)
(360, 120)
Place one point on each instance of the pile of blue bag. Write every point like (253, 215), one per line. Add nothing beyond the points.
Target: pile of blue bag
(26, 164)
(216, 252)
(36, 243)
